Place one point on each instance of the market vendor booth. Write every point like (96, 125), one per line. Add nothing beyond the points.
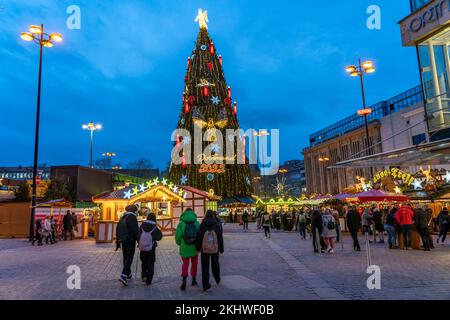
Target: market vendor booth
(159, 197)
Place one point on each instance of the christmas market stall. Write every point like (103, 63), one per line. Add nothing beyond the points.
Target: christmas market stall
(159, 196)
(198, 200)
(235, 206)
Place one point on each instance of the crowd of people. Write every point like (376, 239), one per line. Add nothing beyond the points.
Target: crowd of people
(193, 238)
(46, 230)
(323, 224)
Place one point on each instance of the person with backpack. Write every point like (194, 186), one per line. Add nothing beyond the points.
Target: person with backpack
(245, 219)
(329, 230)
(185, 238)
(301, 222)
(148, 236)
(443, 222)
(126, 237)
(210, 243)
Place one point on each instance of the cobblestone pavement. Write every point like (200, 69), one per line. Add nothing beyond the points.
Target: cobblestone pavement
(253, 267)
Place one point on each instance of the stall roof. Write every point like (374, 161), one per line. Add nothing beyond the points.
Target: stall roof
(432, 153)
(55, 203)
(238, 200)
(133, 193)
(207, 195)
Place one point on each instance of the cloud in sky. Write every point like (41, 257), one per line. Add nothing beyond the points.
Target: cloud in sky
(125, 69)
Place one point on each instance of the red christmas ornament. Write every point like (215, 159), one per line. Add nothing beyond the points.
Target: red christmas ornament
(205, 91)
(229, 92)
(210, 66)
(189, 62)
(227, 101)
(211, 48)
(191, 100)
(185, 78)
(220, 60)
(186, 107)
(235, 108)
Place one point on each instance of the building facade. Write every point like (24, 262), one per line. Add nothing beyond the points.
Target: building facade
(427, 28)
(390, 122)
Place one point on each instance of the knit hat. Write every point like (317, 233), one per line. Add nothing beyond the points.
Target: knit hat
(131, 208)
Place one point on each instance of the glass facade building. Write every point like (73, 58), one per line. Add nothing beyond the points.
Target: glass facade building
(379, 110)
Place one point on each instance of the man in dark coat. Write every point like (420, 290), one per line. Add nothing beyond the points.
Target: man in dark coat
(148, 257)
(316, 229)
(421, 223)
(209, 223)
(127, 235)
(353, 225)
(68, 225)
(245, 219)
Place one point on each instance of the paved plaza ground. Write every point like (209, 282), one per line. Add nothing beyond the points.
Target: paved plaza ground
(253, 267)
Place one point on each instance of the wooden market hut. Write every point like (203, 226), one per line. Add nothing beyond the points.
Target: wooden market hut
(198, 200)
(159, 198)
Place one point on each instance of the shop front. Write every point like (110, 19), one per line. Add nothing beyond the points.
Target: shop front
(160, 198)
(428, 29)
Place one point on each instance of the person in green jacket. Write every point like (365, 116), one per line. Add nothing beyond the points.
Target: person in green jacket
(185, 238)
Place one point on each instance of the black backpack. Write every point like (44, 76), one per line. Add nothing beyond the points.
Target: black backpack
(190, 233)
(331, 225)
(122, 228)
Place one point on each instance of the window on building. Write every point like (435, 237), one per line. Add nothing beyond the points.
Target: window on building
(418, 139)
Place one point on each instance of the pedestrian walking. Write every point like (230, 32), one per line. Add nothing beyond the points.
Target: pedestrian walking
(47, 230)
(429, 214)
(301, 222)
(443, 223)
(148, 237)
(378, 224)
(367, 221)
(404, 218)
(316, 229)
(126, 235)
(421, 223)
(209, 243)
(245, 219)
(329, 230)
(390, 225)
(337, 221)
(38, 234)
(67, 225)
(185, 238)
(266, 222)
(354, 225)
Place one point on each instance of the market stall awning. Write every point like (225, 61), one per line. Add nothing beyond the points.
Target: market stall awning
(237, 200)
(62, 203)
(433, 153)
(380, 196)
(133, 194)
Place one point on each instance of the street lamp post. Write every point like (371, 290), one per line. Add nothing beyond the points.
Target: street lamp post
(109, 155)
(261, 134)
(360, 70)
(91, 126)
(37, 34)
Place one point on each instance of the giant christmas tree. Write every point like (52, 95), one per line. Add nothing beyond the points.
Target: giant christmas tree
(207, 107)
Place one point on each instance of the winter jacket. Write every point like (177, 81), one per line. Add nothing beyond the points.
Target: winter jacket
(420, 219)
(208, 225)
(390, 218)
(316, 221)
(366, 218)
(353, 220)
(443, 220)
(148, 226)
(266, 220)
(404, 216)
(47, 225)
(378, 220)
(68, 222)
(245, 216)
(132, 226)
(328, 233)
(186, 250)
(429, 215)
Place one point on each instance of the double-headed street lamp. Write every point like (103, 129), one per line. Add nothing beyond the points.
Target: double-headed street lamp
(263, 133)
(360, 70)
(37, 34)
(109, 155)
(91, 126)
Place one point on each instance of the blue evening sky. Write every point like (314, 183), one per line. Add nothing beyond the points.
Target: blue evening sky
(125, 69)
